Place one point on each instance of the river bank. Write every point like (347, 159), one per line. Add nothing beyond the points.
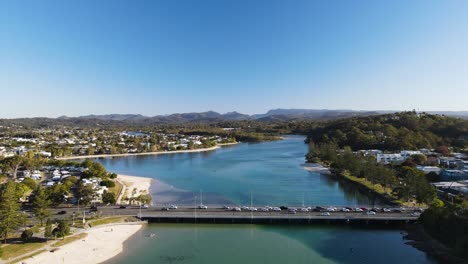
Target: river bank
(141, 154)
(101, 243)
(421, 240)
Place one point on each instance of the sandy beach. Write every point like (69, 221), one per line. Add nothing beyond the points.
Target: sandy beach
(133, 186)
(101, 243)
(141, 154)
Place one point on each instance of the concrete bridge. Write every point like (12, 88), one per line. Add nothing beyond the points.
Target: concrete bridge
(191, 214)
(223, 216)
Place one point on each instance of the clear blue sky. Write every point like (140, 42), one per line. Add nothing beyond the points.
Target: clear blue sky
(159, 57)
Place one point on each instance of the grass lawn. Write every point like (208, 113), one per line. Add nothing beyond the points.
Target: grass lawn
(117, 189)
(108, 220)
(15, 250)
(69, 239)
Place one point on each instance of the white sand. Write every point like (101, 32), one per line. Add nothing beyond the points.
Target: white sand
(138, 154)
(101, 244)
(141, 185)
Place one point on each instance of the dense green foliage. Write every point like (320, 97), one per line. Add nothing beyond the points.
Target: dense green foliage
(48, 229)
(108, 198)
(27, 235)
(40, 204)
(107, 183)
(405, 130)
(448, 224)
(62, 229)
(406, 182)
(11, 217)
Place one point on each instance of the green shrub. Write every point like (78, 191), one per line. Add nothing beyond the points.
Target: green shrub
(108, 183)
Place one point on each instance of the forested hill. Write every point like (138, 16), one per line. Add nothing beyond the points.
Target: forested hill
(405, 130)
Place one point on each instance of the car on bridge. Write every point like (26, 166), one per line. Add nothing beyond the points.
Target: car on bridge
(325, 214)
(173, 207)
(201, 206)
(237, 209)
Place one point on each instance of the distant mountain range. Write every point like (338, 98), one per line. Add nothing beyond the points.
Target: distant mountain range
(211, 116)
(272, 115)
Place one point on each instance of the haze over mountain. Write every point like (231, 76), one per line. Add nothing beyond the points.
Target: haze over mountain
(209, 116)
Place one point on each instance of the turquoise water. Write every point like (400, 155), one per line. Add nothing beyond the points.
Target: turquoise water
(205, 244)
(270, 171)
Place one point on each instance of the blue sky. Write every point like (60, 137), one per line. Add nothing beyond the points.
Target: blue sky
(160, 57)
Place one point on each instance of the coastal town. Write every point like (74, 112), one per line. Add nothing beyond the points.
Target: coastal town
(61, 189)
(206, 132)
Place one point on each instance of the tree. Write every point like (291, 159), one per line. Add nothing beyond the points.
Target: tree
(108, 198)
(27, 235)
(40, 204)
(442, 150)
(48, 229)
(437, 203)
(144, 199)
(30, 183)
(85, 192)
(419, 159)
(62, 229)
(56, 193)
(107, 183)
(95, 170)
(11, 217)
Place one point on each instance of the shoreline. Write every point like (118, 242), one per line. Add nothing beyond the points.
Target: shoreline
(101, 244)
(133, 186)
(144, 153)
(418, 238)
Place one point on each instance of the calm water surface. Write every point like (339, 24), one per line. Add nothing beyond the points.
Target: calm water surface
(272, 172)
(235, 244)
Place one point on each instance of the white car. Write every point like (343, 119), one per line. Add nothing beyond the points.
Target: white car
(276, 209)
(387, 210)
(245, 208)
(264, 209)
(358, 210)
(236, 209)
(304, 210)
(173, 206)
(253, 209)
(226, 207)
(331, 209)
(325, 214)
(416, 214)
(345, 210)
(145, 206)
(202, 206)
(370, 213)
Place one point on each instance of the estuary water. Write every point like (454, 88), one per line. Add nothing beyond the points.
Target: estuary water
(264, 173)
(268, 173)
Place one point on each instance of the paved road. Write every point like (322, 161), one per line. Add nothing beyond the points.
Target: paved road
(191, 212)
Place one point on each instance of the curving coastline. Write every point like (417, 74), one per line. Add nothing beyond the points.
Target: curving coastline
(137, 154)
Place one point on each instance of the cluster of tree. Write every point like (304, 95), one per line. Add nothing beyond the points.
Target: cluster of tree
(448, 224)
(405, 130)
(405, 180)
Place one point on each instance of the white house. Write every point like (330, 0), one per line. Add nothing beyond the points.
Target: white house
(390, 158)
